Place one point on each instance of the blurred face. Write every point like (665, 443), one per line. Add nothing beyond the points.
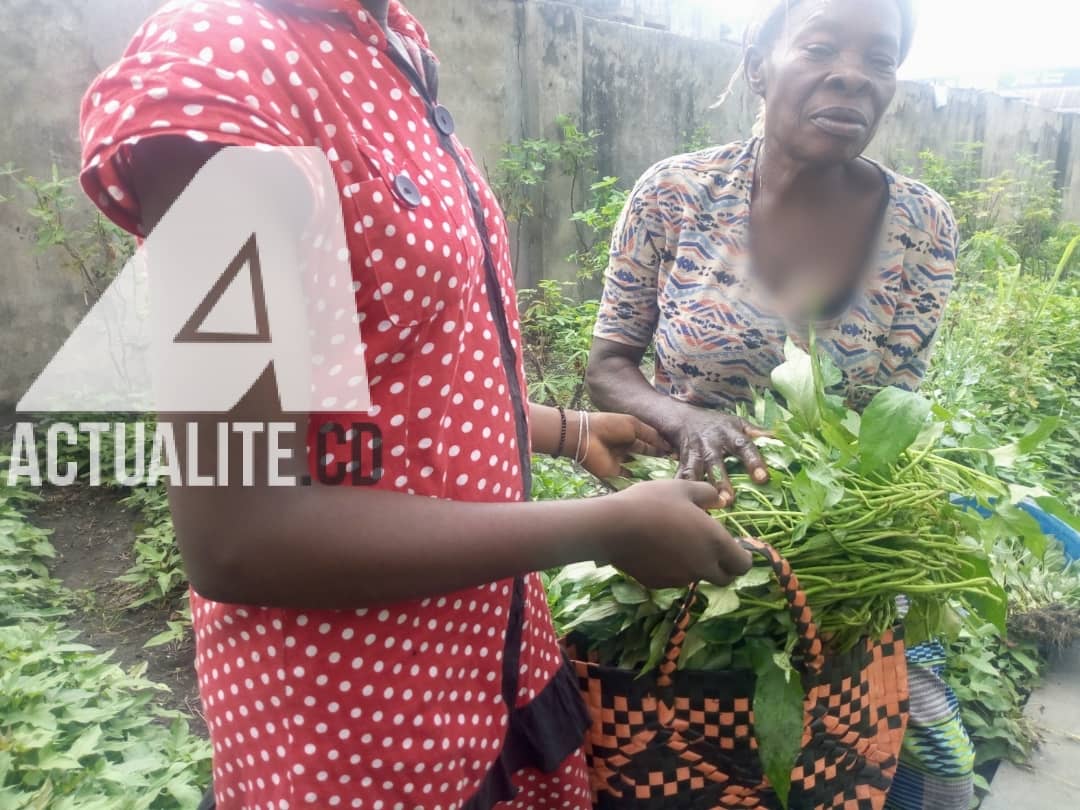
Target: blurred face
(828, 77)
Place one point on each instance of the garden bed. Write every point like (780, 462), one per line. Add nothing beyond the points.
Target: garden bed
(93, 534)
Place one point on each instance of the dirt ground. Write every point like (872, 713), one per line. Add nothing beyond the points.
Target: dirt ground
(93, 535)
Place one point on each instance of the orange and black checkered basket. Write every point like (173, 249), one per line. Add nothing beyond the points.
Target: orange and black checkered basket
(680, 739)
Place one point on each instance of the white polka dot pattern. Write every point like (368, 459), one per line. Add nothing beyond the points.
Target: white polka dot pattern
(385, 708)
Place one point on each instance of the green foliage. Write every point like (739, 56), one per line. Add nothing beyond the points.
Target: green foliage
(1023, 206)
(525, 166)
(605, 207)
(87, 244)
(860, 507)
(1007, 361)
(837, 524)
(698, 138)
(558, 479)
(157, 575)
(558, 335)
(77, 731)
(992, 679)
(778, 722)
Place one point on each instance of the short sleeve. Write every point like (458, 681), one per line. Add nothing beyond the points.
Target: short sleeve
(205, 71)
(629, 311)
(929, 270)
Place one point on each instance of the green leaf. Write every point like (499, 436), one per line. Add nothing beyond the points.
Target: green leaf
(86, 743)
(991, 604)
(665, 598)
(753, 578)
(777, 455)
(1006, 456)
(778, 724)
(890, 424)
(722, 601)
(1026, 661)
(816, 489)
(694, 643)
(629, 593)
(596, 612)
(56, 761)
(794, 380)
(1037, 435)
(170, 636)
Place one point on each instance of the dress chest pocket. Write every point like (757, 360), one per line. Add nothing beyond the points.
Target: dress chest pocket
(408, 252)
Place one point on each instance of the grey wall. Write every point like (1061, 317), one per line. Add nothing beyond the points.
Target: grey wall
(645, 89)
(510, 67)
(49, 52)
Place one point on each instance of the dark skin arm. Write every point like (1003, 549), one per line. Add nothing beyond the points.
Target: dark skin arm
(344, 548)
(702, 438)
(612, 438)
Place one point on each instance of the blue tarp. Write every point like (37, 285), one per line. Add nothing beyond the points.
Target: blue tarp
(1050, 525)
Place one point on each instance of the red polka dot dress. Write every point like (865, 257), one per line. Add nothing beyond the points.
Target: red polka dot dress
(460, 701)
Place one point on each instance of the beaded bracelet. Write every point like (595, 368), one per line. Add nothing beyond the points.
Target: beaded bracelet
(562, 432)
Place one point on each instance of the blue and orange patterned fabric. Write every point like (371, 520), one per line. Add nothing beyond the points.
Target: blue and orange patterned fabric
(679, 278)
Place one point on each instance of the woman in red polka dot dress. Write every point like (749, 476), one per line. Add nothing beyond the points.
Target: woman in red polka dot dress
(382, 647)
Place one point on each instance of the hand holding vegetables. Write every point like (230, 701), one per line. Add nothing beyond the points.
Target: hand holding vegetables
(706, 438)
(612, 439)
(669, 540)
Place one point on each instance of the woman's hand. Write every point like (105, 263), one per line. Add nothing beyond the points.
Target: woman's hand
(613, 439)
(704, 439)
(666, 539)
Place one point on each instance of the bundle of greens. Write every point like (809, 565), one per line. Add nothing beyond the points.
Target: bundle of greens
(859, 505)
(863, 506)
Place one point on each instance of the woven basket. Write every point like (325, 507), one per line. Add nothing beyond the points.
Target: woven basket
(678, 739)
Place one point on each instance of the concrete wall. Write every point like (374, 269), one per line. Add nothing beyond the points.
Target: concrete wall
(49, 52)
(510, 67)
(646, 89)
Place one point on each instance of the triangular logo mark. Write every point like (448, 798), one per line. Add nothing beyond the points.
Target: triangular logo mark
(223, 306)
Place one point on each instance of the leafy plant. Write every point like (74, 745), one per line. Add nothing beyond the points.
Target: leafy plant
(600, 218)
(158, 572)
(77, 732)
(1007, 366)
(526, 166)
(88, 243)
(557, 479)
(860, 506)
(157, 575)
(698, 138)
(1022, 205)
(992, 679)
(558, 335)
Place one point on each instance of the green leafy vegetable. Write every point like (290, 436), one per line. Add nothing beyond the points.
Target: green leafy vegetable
(778, 723)
(890, 425)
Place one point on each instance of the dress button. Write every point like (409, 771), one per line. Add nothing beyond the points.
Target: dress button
(444, 121)
(407, 191)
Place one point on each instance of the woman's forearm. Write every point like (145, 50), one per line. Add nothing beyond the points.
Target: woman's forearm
(340, 548)
(546, 430)
(615, 382)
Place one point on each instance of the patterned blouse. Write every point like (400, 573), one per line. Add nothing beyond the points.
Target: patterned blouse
(678, 278)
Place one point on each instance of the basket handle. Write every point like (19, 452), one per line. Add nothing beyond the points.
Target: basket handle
(809, 638)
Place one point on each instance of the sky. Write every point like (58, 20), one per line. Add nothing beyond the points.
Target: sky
(973, 40)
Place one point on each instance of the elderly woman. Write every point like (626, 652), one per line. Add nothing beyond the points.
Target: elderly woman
(721, 255)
